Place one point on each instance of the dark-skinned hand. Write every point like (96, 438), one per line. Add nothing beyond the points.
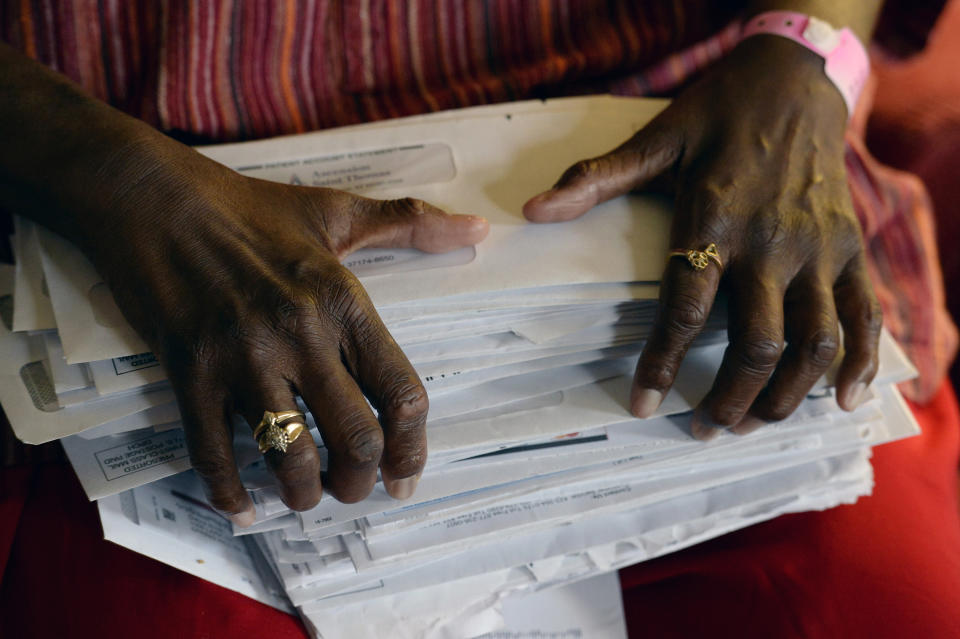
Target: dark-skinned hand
(754, 153)
(237, 285)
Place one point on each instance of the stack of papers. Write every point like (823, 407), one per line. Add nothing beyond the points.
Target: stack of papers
(537, 477)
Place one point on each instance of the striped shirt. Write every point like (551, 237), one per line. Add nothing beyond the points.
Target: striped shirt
(224, 70)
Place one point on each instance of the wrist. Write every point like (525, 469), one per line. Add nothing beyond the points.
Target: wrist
(80, 167)
(150, 187)
(844, 59)
(788, 77)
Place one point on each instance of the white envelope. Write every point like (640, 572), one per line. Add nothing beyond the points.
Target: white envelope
(491, 175)
(33, 411)
(169, 522)
(32, 310)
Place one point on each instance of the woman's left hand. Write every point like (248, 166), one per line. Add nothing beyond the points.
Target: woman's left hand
(754, 152)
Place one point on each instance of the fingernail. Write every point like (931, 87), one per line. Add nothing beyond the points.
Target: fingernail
(747, 425)
(478, 223)
(401, 488)
(702, 427)
(855, 396)
(534, 202)
(645, 402)
(538, 198)
(243, 519)
(558, 200)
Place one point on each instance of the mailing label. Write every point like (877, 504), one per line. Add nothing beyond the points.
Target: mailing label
(130, 363)
(374, 261)
(363, 171)
(142, 454)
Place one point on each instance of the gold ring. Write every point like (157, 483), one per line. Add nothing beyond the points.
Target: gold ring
(699, 259)
(271, 432)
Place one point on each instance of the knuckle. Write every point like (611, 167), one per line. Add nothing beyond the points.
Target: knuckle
(684, 314)
(406, 403)
(759, 353)
(579, 171)
(363, 446)
(770, 234)
(658, 376)
(302, 269)
(282, 308)
(821, 348)
(404, 207)
(714, 198)
(334, 282)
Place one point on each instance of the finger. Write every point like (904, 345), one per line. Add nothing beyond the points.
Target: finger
(813, 341)
(210, 445)
(395, 390)
(405, 223)
(298, 469)
(686, 297)
(646, 155)
(862, 320)
(756, 344)
(350, 431)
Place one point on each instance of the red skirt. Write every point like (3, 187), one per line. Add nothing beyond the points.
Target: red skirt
(888, 566)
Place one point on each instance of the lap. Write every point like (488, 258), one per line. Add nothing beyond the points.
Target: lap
(887, 566)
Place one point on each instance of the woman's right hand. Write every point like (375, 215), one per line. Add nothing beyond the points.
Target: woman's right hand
(237, 286)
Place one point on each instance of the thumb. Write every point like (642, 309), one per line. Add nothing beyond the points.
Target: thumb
(409, 223)
(646, 155)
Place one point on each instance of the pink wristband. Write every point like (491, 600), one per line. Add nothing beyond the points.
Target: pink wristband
(846, 62)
